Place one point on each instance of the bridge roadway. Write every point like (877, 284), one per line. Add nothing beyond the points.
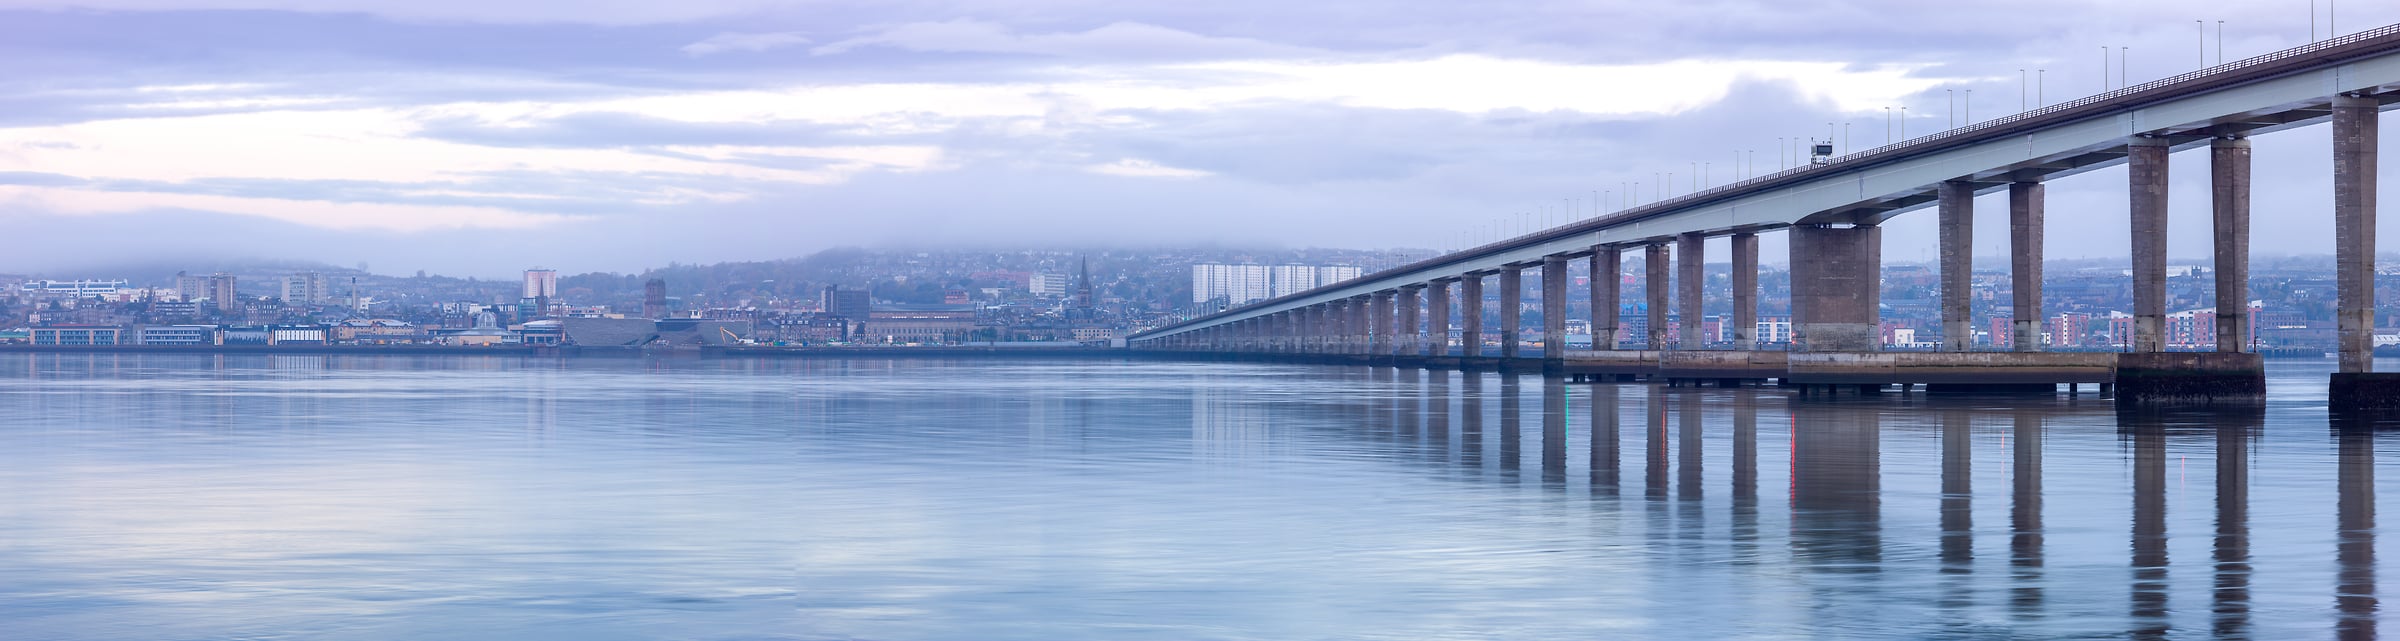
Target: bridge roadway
(1830, 211)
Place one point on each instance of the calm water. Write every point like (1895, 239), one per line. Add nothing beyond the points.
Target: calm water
(193, 497)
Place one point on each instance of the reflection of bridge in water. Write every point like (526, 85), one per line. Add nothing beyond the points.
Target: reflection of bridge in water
(1830, 212)
(1993, 535)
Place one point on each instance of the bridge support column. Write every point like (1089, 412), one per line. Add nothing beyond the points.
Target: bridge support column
(1654, 288)
(2146, 167)
(1512, 309)
(1691, 258)
(1328, 325)
(1287, 326)
(1470, 316)
(1410, 335)
(1836, 286)
(2355, 125)
(1955, 206)
(1745, 291)
(1554, 307)
(2229, 186)
(1379, 324)
(1330, 322)
(1360, 332)
(1606, 262)
(1437, 323)
(1304, 330)
(2025, 203)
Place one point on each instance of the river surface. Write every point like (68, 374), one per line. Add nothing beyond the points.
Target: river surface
(335, 497)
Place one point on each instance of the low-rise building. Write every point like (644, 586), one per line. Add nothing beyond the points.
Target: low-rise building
(76, 335)
(920, 324)
(376, 331)
(185, 335)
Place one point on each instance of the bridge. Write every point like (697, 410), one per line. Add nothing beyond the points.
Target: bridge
(1830, 212)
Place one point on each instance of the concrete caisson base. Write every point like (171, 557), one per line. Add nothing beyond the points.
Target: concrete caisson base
(1996, 389)
(2191, 378)
(1520, 365)
(2364, 391)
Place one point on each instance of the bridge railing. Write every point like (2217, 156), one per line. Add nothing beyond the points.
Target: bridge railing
(1988, 125)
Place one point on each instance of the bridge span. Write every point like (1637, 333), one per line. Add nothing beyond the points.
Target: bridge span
(1830, 212)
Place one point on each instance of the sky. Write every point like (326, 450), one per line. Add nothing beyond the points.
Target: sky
(482, 138)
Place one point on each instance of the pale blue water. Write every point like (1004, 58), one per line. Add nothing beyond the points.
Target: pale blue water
(310, 497)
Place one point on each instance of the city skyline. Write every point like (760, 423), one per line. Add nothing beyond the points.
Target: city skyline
(631, 135)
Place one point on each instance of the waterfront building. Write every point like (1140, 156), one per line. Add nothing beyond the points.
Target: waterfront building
(178, 335)
(920, 323)
(76, 335)
(376, 331)
(843, 303)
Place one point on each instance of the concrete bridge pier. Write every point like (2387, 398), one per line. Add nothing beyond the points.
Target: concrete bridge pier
(2356, 123)
(2229, 178)
(1554, 310)
(1512, 310)
(2025, 209)
(1606, 262)
(1654, 288)
(1379, 324)
(1955, 217)
(1745, 291)
(1285, 327)
(1691, 258)
(2146, 170)
(1836, 274)
(1470, 316)
(1331, 321)
(1360, 333)
(1437, 321)
(1411, 335)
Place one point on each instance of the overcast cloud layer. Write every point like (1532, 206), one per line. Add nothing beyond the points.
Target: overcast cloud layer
(484, 137)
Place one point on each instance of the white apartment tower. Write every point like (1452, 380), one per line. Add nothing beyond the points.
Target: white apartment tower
(1239, 284)
(304, 288)
(541, 283)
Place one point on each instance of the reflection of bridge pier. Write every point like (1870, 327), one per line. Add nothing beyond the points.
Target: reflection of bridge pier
(2229, 606)
(1836, 487)
(1470, 423)
(1512, 422)
(2025, 512)
(1554, 433)
(1654, 446)
(1437, 415)
(2354, 599)
(1604, 466)
(1745, 476)
(2148, 606)
(1957, 505)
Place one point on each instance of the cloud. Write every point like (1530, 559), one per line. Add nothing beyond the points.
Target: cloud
(600, 12)
(321, 214)
(745, 42)
(1115, 41)
(1143, 169)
